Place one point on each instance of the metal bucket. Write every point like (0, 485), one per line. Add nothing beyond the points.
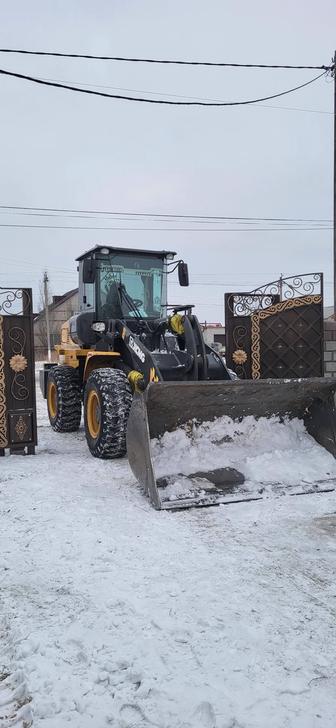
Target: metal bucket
(165, 406)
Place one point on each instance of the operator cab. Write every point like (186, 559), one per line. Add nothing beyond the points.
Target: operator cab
(126, 283)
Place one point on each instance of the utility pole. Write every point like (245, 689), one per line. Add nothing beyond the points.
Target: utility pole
(280, 286)
(46, 309)
(334, 223)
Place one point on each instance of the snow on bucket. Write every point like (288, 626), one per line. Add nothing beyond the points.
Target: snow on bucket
(193, 443)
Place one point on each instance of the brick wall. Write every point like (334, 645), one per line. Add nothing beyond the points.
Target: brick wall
(330, 348)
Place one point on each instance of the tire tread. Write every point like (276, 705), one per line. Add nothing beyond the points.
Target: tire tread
(116, 399)
(69, 408)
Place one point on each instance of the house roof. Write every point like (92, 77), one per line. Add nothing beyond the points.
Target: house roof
(114, 248)
(59, 302)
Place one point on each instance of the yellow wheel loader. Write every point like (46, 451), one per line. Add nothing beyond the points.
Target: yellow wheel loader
(139, 368)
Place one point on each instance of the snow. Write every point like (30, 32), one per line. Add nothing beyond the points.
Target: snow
(114, 614)
(266, 451)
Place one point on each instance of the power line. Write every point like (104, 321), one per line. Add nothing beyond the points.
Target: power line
(184, 96)
(165, 102)
(165, 215)
(123, 59)
(162, 220)
(253, 225)
(164, 230)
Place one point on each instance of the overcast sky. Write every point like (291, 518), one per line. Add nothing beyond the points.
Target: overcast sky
(66, 150)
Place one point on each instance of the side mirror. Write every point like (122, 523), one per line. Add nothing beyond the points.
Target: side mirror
(183, 274)
(89, 270)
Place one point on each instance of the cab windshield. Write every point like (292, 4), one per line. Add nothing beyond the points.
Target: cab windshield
(131, 286)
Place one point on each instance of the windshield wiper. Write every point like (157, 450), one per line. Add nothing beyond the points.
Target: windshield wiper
(127, 298)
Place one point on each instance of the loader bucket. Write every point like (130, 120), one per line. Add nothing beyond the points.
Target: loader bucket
(165, 406)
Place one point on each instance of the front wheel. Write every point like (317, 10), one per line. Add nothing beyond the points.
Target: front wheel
(64, 399)
(107, 402)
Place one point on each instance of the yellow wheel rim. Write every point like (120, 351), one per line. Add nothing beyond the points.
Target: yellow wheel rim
(52, 399)
(93, 414)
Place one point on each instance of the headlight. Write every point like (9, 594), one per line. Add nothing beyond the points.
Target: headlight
(99, 326)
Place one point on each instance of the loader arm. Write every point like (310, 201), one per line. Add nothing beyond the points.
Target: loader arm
(189, 360)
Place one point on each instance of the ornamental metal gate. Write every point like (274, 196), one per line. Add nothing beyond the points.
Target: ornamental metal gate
(276, 331)
(17, 372)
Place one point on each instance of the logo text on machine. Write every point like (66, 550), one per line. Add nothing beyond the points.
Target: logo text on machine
(136, 348)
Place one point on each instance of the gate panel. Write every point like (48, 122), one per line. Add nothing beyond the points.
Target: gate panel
(277, 330)
(3, 411)
(238, 310)
(287, 339)
(18, 430)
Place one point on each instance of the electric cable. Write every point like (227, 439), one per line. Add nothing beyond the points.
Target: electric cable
(158, 220)
(166, 215)
(123, 59)
(165, 102)
(184, 96)
(165, 230)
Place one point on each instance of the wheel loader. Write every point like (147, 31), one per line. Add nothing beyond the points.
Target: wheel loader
(139, 368)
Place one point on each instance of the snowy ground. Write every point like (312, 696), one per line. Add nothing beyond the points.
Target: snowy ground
(113, 614)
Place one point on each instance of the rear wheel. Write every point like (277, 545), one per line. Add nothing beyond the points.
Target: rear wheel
(64, 399)
(107, 402)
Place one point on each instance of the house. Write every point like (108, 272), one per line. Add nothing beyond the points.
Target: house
(214, 336)
(328, 313)
(60, 309)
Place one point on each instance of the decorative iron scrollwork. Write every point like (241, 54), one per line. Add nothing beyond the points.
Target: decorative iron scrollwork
(3, 418)
(15, 301)
(293, 287)
(240, 337)
(19, 389)
(244, 304)
(18, 339)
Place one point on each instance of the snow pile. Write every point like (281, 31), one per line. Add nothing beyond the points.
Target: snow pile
(266, 451)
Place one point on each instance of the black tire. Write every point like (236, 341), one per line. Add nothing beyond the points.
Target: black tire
(107, 402)
(64, 399)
